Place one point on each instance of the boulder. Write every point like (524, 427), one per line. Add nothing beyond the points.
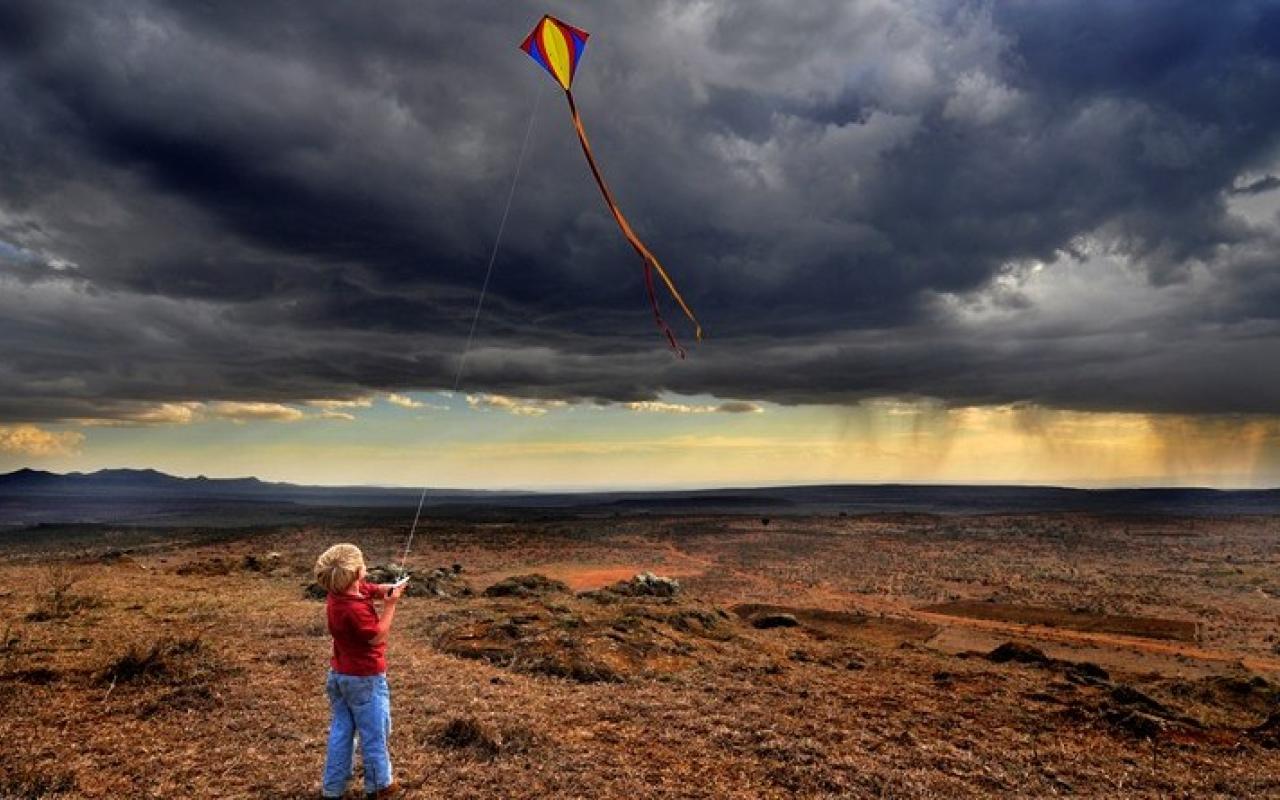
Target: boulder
(438, 582)
(645, 584)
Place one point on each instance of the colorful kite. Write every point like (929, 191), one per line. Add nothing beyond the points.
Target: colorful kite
(558, 47)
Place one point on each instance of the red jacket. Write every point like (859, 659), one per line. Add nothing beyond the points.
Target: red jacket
(353, 621)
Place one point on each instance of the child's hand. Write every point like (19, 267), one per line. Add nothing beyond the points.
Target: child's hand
(394, 592)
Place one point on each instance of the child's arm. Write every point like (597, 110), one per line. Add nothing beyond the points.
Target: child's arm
(388, 614)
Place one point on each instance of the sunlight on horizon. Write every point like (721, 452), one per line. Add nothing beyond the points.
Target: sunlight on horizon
(495, 442)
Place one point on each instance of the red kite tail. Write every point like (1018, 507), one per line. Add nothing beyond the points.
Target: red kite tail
(650, 261)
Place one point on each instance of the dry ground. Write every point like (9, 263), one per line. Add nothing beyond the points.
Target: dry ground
(185, 672)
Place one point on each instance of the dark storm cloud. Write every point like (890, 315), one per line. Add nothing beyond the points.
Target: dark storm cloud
(282, 201)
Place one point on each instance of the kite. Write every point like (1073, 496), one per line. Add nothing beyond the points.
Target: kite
(558, 47)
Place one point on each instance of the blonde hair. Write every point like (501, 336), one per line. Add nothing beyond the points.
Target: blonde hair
(339, 567)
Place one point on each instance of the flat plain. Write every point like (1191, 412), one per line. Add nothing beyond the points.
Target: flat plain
(882, 655)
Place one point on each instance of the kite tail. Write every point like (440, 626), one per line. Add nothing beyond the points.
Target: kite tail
(657, 313)
(651, 262)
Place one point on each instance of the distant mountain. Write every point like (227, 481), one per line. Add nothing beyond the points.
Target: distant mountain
(30, 496)
(126, 480)
(133, 484)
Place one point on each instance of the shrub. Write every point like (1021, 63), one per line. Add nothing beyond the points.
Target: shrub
(489, 741)
(170, 662)
(57, 598)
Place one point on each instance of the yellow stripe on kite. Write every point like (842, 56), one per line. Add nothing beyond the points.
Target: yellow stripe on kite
(556, 47)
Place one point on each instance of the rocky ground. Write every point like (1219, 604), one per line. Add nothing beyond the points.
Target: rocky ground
(841, 656)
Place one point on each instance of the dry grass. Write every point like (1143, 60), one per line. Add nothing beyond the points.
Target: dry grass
(218, 678)
(57, 598)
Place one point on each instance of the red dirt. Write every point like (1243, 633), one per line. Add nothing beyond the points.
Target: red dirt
(1145, 627)
(841, 624)
(852, 703)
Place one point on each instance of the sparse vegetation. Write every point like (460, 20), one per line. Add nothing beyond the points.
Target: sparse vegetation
(57, 598)
(209, 685)
(168, 662)
(484, 738)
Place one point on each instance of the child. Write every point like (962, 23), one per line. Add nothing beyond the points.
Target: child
(357, 686)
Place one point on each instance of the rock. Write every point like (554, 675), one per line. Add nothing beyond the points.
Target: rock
(439, 582)
(1018, 652)
(526, 586)
(645, 584)
(767, 621)
(385, 573)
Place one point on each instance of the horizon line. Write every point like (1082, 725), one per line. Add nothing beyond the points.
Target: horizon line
(1136, 485)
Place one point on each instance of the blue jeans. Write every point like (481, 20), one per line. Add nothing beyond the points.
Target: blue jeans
(360, 704)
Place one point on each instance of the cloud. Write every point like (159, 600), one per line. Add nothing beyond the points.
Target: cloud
(183, 413)
(402, 401)
(188, 413)
(30, 440)
(739, 407)
(664, 407)
(512, 405)
(334, 405)
(661, 407)
(257, 412)
(272, 203)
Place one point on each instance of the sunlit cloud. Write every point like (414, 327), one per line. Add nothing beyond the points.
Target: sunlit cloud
(334, 405)
(403, 401)
(254, 412)
(147, 415)
(512, 405)
(664, 407)
(29, 440)
(193, 413)
(660, 407)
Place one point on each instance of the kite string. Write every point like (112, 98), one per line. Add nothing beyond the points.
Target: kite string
(484, 290)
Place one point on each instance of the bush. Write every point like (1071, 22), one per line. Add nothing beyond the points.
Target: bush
(57, 600)
(170, 662)
(489, 741)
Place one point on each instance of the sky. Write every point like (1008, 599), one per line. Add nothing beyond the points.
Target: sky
(1031, 241)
